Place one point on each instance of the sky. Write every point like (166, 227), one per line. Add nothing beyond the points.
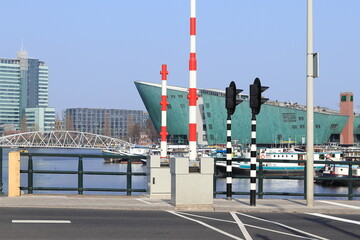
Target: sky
(96, 49)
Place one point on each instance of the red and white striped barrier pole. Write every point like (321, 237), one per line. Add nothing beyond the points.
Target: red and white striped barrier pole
(192, 83)
(163, 103)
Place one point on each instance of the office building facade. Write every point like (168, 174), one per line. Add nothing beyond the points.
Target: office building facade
(110, 122)
(24, 88)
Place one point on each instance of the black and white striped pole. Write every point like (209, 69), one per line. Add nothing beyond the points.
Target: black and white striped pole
(231, 102)
(255, 104)
(253, 162)
(228, 159)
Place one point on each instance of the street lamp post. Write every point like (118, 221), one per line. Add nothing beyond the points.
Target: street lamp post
(310, 108)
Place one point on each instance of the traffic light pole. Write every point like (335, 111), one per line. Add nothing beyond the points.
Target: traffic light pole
(253, 162)
(228, 159)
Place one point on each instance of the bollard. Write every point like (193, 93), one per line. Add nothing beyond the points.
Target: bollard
(14, 174)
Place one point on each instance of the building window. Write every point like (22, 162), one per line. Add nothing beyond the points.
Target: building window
(172, 96)
(351, 98)
(294, 127)
(208, 114)
(301, 118)
(302, 126)
(207, 105)
(279, 137)
(169, 106)
(211, 137)
(182, 105)
(289, 117)
(333, 126)
(343, 98)
(317, 126)
(358, 126)
(210, 126)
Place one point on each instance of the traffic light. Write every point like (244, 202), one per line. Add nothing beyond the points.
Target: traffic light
(231, 94)
(255, 96)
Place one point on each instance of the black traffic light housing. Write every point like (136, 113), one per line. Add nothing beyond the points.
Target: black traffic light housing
(255, 96)
(231, 98)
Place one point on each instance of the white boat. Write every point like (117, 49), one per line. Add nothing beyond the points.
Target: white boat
(284, 160)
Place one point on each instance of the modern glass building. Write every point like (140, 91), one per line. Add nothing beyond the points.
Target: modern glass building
(23, 85)
(277, 123)
(110, 122)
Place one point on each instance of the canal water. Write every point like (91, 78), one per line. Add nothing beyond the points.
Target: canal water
(138, 182)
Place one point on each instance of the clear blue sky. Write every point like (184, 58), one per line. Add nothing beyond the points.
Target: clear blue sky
(96, 49)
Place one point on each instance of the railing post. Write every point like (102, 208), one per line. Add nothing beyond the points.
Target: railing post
(305, 179)
(261, 179)
(1, 170)
(129, 177)
(80, 176)
(350, 183)
(14, 174)
(30, 175)
(214, 179)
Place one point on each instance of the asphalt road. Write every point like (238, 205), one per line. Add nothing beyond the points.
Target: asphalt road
(120, 224)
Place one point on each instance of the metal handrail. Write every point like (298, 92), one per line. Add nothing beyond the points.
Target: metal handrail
(80, 172)
(260, 176)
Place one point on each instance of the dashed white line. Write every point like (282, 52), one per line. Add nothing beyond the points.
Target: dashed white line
(340, 204)
(206, 225)
(335, 218)
(41, 221)
(241, 226)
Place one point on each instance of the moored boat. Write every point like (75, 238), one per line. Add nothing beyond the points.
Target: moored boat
(338, 174)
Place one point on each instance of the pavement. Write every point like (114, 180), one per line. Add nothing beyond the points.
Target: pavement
(144, 202)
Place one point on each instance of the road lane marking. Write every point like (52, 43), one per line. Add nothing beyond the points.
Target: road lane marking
(210, 218)
(206, 225)
(41, 221)
(247, 225)
(335, 218)
(241, 226)
(340, 204)
(141, 200)
(285, 226)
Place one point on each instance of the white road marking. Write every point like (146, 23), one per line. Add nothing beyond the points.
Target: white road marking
(285, 226)
(141, 200)
(340, 204)
(335, 218)
(206, 225)
(241, 226)
(41, 221)
(247, 225)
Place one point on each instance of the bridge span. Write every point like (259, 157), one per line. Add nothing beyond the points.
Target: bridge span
(62, 139)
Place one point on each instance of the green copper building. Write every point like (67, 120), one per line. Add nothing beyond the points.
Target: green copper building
(277, 123)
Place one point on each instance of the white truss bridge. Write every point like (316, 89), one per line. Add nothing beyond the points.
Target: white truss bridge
(62, 139)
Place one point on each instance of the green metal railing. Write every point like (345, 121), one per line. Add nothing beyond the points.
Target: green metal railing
(80, 173)
(261, 176)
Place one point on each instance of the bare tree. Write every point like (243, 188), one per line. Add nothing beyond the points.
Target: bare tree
(150, 130)
(23, 127)
(106, 131)
(57, 122)
(69, 123)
